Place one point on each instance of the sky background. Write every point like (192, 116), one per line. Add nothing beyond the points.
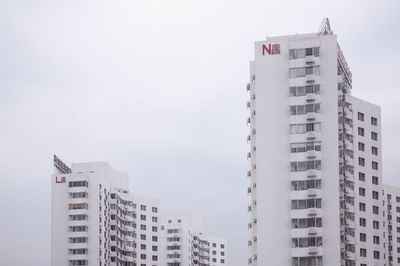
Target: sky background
(157, 89)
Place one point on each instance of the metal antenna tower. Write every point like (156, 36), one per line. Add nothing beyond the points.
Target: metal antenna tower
(325, 28)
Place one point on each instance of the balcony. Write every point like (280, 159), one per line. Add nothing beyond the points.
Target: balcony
(349, 255)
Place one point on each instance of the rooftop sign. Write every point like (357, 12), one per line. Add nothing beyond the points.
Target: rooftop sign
(271, 49)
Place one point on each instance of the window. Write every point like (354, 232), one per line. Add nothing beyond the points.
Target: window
(306, 204)
(374, 121)
(361, 177)
(305, 261)
(374, 150)
(376, 255)
(143, 217)
(363, 252)
(78, 206)
(142, 227)
(376, 240)
(154, 258)
(374, 136)
(154, 238)
(361, 191)
(375, 180)
(143, 237)
(375, 225)
(306, 222)
(362, 222)
(361, 131)
(142, 207)
(363, 237)
(303, 52)
(304, 109)
(360, 116)
(397, 199)
(303, 71)
(304, 242)
(78, 240)
(375, 195)
(305, 165)
(375, 209)
(143, 247)
(154, 219)
(362, 207)
(304, 90)
(78, 184)
(361, 161)
(305, 146)
(303, 128)
(76, 195)
(143, 256)
(374, 165)
(78, 228)
(361, 146)
(154, 209)
(154, 228)
(306, 184)
(78, 217)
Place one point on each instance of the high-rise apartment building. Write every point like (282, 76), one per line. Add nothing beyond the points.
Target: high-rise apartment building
(315, 158)
(95, 221)
(391, 203)
(185, 243)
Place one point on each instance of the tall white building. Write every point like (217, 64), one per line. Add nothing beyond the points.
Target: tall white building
(392, 215)
(96, 222)
(315, 158)
(186, 245)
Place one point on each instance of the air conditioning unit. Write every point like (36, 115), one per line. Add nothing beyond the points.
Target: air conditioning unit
(310, 78)
(312, 193)
(311, 154)
(310, 97)
(311, 116)
(310, 60)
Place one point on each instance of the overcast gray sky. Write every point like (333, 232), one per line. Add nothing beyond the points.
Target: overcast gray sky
(157, 89)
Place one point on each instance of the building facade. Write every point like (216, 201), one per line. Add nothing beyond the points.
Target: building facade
(95, 221)
(315, 158)
(186, 245)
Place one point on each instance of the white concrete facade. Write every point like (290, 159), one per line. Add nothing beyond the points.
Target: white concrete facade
(96, 222)
(186, 245)
(315, 158)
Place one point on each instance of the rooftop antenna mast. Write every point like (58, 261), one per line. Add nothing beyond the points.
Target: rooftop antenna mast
(325, 28)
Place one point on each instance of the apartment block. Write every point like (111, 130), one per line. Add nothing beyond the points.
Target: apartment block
(185, 243)
(95, 221)
(315, 174)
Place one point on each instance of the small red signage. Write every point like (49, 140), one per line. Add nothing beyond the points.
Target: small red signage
(271, 49)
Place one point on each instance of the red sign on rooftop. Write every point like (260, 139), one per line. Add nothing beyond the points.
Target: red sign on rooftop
(271, 49)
